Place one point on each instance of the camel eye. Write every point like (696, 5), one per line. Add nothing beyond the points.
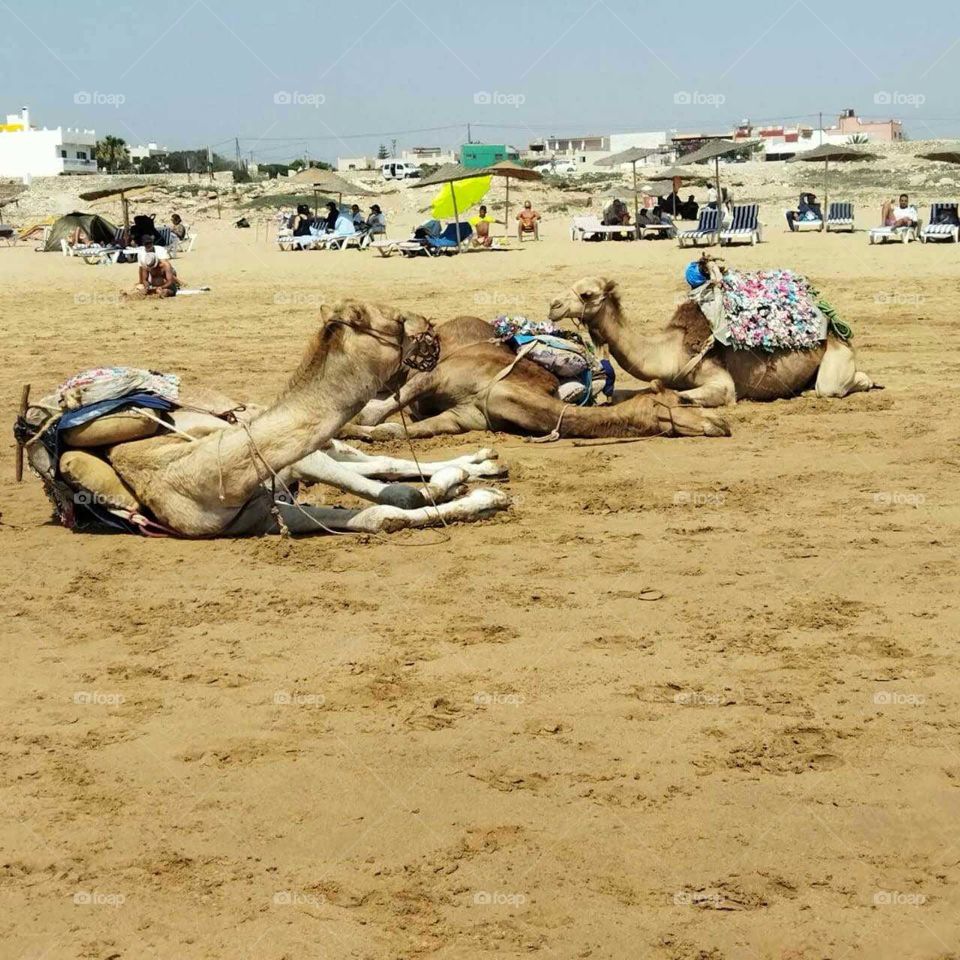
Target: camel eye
(586, 296)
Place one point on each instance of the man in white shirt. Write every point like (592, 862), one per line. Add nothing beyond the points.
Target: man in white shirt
(903, 215)
(712, 198)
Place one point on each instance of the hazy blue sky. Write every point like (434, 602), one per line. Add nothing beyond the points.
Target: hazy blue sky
(197, 72)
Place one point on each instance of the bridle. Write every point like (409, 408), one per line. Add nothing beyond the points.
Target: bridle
(421, 353)
(583, 303)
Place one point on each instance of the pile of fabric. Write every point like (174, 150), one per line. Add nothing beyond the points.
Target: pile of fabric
(581, 373)
(772, 310)
(68, 435)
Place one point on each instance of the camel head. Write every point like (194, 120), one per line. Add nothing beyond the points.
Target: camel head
(586, 301)
(371, 337)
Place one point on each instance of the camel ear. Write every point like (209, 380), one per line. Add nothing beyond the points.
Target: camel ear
(326, 312)
(414, 324)
(609, 286)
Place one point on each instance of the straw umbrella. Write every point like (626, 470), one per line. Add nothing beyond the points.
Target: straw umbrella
(508, 169)
(327, 181)
(714, 151)
(675, 175)
(451, 173)
(632, 155)
(122, 191)
(826, 153)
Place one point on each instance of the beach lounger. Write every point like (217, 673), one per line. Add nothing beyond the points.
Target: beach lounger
(801, 226)
(287, 241)
(746, 226)
(840, 216)
(936, 232)
(897, 234)
(656, 230)
(8, 235)
(589, 226)
(704, 232)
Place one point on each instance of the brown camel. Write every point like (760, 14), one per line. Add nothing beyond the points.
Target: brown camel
(211, 478)
(479, 384)
(724, 375)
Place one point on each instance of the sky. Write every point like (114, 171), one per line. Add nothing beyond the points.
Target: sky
(327, 79)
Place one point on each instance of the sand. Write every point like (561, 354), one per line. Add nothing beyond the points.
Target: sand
(494, 745)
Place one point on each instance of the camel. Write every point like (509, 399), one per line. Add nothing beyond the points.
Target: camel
(480, 384)
(724, 375)
(209, 477)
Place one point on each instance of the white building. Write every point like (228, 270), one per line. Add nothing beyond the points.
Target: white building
(146, 151)
(27, 151)
(354, 163)
(587, 150)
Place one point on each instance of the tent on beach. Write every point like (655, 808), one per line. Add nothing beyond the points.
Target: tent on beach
(95, 227)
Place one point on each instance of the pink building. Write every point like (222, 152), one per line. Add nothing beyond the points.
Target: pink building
(849, 125)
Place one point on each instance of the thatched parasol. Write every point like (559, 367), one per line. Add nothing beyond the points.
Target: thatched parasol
(121, 190)
(826, 153)
(508, 169)
(328, 181)
(10, 193)
(632, 155)
(714, 151)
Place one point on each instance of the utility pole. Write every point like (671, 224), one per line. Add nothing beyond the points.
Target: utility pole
(468, 134)
(393, 148)
(236, 143)
(820, 129)
(209, 163)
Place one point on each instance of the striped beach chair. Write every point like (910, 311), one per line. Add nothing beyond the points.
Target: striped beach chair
(840, 216)
(936, 232)
(705, 231)
(745, 227)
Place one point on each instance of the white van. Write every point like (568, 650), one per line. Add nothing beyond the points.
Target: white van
(399, 170)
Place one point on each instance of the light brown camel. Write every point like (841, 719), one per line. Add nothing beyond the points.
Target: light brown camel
(724, 375)
(213, 478)
(479, 384)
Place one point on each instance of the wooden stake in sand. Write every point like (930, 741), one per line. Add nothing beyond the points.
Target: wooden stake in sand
(24, 401)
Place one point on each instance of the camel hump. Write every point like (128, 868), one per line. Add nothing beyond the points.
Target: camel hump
(695, 326)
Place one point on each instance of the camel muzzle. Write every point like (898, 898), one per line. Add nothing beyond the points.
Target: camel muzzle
(423, 353)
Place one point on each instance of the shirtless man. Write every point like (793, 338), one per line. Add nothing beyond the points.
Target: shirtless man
(157, 278)
(528, 221)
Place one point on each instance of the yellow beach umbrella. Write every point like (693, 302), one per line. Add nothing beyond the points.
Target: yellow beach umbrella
(460, 195)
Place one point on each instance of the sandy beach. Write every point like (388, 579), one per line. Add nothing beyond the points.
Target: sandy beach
(690, 699)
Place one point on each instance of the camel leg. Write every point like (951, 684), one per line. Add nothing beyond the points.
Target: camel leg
(718, 391)
(443, 423)
(837, 375)
(483, 463)
(319, 468)
(376, 411)
(474, 506)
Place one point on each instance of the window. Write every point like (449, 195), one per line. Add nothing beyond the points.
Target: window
(63, 153)
(81, 155)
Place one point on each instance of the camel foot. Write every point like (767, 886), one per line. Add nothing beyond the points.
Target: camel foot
(386, 431)
(694, 422)
(402, 496)
(446, 484)
(474, 506)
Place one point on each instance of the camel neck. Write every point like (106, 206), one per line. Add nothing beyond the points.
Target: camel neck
(646, 358)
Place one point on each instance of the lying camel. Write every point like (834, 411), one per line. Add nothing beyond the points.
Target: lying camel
(209, 477)
(724, 375)
(480, 384)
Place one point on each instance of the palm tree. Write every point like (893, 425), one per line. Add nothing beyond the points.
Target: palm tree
(112, 153)
(856, 138)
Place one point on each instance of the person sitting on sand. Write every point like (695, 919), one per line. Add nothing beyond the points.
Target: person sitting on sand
(481, 227)
(903, 215)
(691, 209)
(157, 277)
(528, 221)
